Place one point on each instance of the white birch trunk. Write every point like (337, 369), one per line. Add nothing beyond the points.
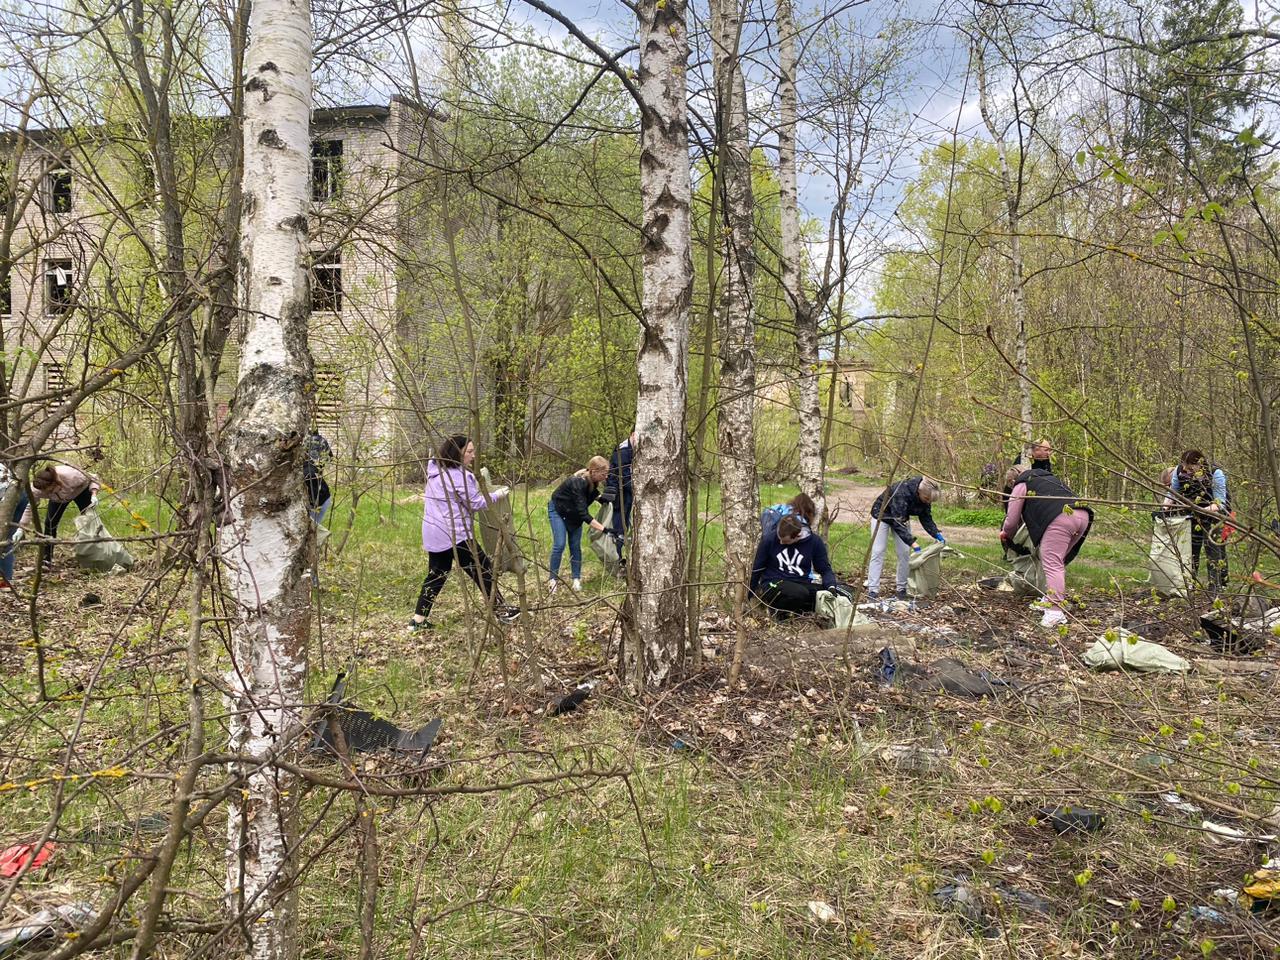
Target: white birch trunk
(267, 545)
(806, 319)
(1017, 274)
(735, 418)
(656, 608)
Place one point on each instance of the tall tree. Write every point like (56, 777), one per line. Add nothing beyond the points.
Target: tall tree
(735, 421)
(268, 544)
(792, 261)
(1011, 184)
(656, 611)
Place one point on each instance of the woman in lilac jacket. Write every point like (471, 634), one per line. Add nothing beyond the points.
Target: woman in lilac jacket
(451, 498)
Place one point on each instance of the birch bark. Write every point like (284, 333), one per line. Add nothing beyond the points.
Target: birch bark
(792, 260)
(655, 613)
(735, 420)
(267, 545)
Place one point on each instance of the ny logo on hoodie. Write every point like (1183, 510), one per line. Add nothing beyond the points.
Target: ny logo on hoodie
(791, 561)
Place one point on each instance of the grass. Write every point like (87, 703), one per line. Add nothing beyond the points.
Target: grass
(738, 808)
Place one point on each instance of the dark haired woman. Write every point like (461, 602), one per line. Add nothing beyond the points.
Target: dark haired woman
(61, 484)
(449, 503)
(800, 506)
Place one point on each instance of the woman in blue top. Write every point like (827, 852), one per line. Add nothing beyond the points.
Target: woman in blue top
(785, 559)
(1203, 486)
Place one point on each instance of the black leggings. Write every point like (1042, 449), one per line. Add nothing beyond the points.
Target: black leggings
(471, 558)
(789, 597)
(54, 516)
(1208, 535)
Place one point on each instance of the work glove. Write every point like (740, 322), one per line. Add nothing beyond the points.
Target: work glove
(940, 538)
(840, 590)
(915, 546)
(93, 501)
(497, 493)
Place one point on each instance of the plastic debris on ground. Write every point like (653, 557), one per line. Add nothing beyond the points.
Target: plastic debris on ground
(1067, 819)
(1222, 832)
(571, 701)
(963, 900)
(40, 930)
(1263, 892)
(362, 731)
(1173, 800)
(1233, 635)
(951, 676)
(1118, 649)
(25, 856)
(913, 759)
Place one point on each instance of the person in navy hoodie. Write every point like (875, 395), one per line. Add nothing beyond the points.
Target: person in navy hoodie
(617, 489)
(785, 561)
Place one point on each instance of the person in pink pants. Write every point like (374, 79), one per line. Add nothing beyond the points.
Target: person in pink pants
(1057, 523)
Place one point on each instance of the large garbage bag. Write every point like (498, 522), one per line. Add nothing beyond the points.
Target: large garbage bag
(498, 537)
(1118, 649)
(836, 612)
(94, 546)
(925, 572)
(1027, 577)
(1170, 554)
(603, 545)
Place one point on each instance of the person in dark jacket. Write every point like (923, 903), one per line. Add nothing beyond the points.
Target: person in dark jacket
(618, 489)
(568, 510)
(315, 457)
(800, 506)
(1057, 523)
(786, 558)
(1202, 486)
(891, 513)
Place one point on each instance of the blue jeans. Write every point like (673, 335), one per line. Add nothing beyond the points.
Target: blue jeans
(560, 533)
(6, 558)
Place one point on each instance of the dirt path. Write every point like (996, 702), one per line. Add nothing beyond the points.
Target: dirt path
(853, 502)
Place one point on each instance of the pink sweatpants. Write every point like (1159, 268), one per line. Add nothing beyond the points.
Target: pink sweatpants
(1061, 535)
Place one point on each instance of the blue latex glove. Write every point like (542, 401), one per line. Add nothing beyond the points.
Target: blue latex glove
(915, 546)
(940, 538)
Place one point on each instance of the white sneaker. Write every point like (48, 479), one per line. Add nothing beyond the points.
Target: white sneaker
(553, 585)
(1053, 617)
(576, 586)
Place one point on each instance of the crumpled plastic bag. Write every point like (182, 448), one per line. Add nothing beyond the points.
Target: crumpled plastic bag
(498, 533)
(95, 548)
(1118, 649)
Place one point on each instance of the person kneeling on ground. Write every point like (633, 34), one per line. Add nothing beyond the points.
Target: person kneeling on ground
(568, 509)
(800, 506)
(892, 511)
(786, 558)
(1057, 523)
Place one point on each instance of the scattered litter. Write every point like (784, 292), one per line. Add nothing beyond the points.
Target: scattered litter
(1022, 899)
(1228, 895)
(1263, 893)
(1156, 761)
(16, 858)
(822, 911)
(1230, 833)
(50, 923)
(1199, 915)
(148, 823)
(888, 666)
(90, 600)
(362, 731)
(963, 900)
(1231, 636)
(572, 700)
(1118, 649)
(952, 676)
(1175, 801)
(913, 759)
(992, 583)
(1068, 819)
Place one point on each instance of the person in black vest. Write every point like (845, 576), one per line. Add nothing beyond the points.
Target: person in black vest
(1057, 523)
(315, 455)
(618, 489)
(891, 513)
(1203, 487)
(786, 558)
(568, 510)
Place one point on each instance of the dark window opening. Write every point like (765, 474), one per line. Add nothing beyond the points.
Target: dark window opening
(59, 280)
(326, 284)
(60, 190)
(326, 169)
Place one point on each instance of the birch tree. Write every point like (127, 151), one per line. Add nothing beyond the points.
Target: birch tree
(267, 546)
(1011, 189)
(735, 423)
(791, 260)
(656, 612)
